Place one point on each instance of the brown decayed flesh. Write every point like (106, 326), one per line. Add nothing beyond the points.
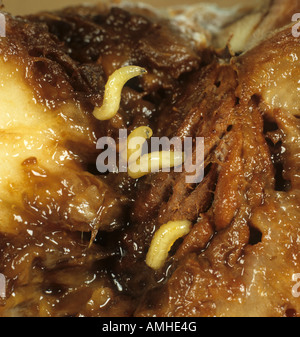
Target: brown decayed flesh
(73, 242)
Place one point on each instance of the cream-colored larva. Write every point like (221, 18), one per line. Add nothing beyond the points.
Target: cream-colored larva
(113, 90)
(153, 162)
(163, 240)
(135, 142)
(139, 165)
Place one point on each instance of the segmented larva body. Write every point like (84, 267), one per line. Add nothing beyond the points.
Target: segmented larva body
(163, 240)
(139, 165)
(135, 142)
(153, 162)
(113, 90)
